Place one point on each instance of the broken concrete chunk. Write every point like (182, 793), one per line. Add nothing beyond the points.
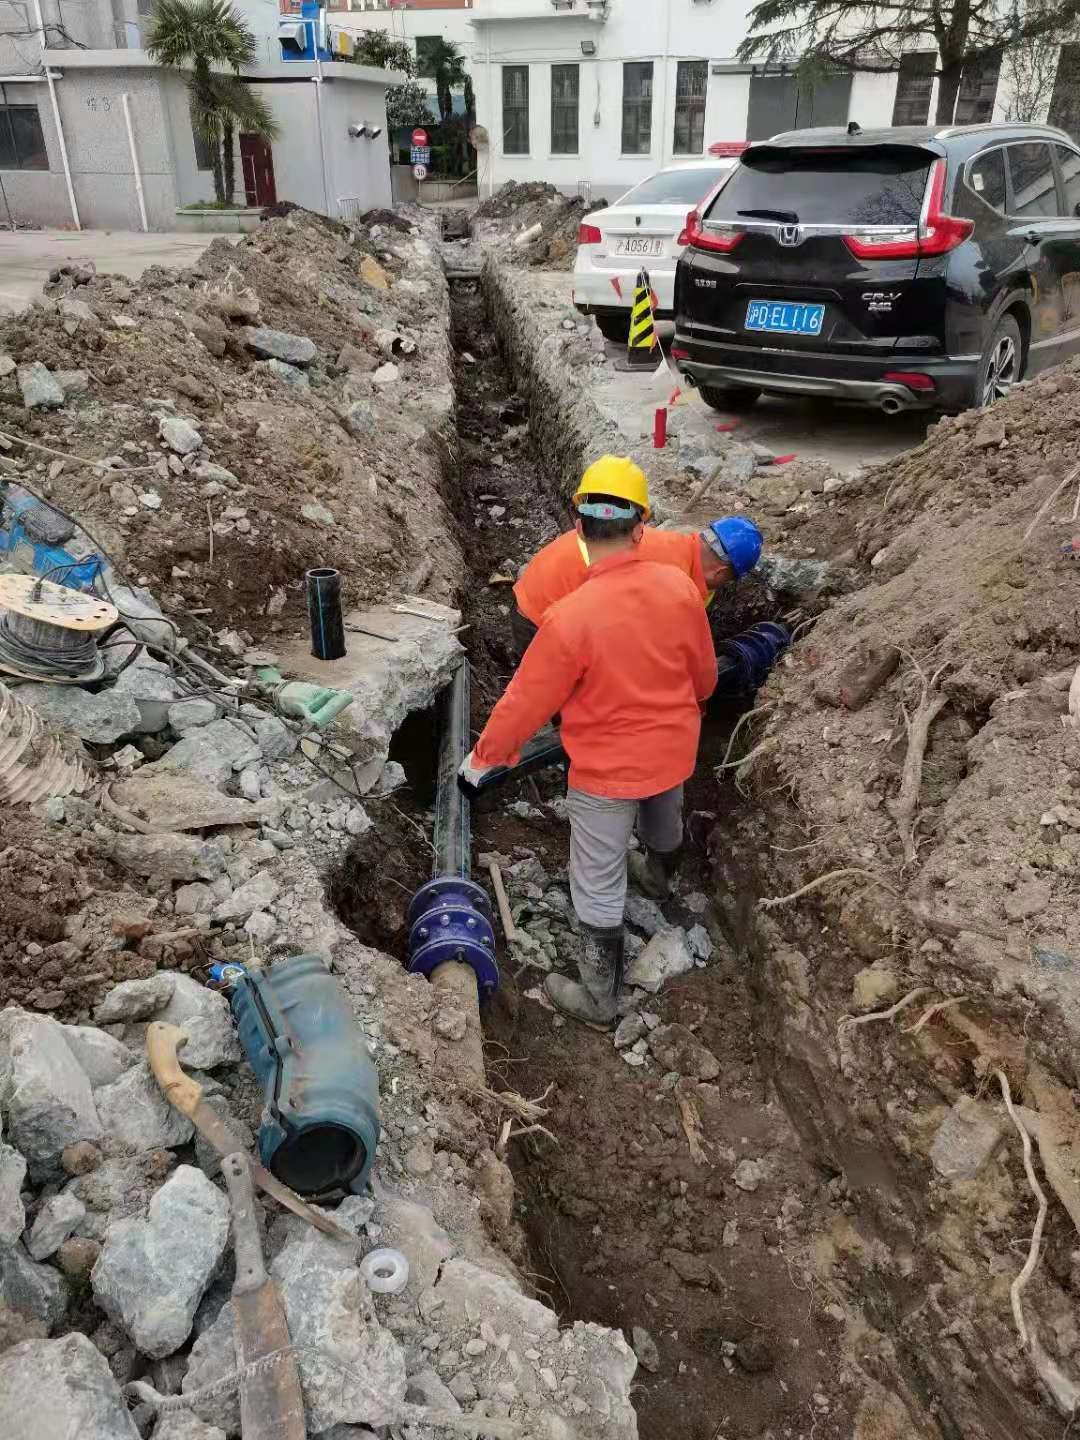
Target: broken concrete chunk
(748, 1175)
(351, 1369)
(318, 514)
(190, 714)
(177, 800)
(57, 1219)
(278, 345)
(211, 752)
(135, 1112)
(152, 1273)
(287, 374)
(966, 1139)
(358, 419)
(276, 740)
(40, 389)
(257, 894)
(386, 375)
(136, 999)
(629, 1030)
(100, 718)
(102, 1058)
(645, 915)
(150, 685)
(179, 435)
(373, 273)
(72, 382)
(166, 857)
(205, 1018)
(7, 365)
(183, 1425)
(62, 1389)
(46, 1095)
(36, 1292)
(12, 1210)
(665, 956)
(645, 1349)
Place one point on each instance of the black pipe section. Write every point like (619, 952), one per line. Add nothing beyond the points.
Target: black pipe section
(453, 837)
(538, 753)
(324, 613)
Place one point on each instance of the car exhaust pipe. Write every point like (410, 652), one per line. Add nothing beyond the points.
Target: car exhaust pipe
(891, 404)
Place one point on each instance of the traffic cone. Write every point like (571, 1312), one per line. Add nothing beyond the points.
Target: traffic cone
(641, 345)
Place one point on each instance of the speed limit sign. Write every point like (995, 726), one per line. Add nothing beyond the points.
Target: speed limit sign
(420, 172)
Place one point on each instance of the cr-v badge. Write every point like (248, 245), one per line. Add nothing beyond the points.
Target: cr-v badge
(880, 300)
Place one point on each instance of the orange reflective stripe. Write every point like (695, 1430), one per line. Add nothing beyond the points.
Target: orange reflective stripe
(584, 550)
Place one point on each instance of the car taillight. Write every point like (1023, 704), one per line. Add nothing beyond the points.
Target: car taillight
(935, 234)
(678, 353)
(911, 378)
(589, 235)
(718, 237)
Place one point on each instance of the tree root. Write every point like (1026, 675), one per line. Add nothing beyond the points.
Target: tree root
(934, 1010)
(905, 807)
(848, 1021)
(727, 762)
(1017, 1287)
(774, 902)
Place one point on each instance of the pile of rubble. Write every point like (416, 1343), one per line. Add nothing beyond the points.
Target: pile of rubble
(283, 403)
(532, 223)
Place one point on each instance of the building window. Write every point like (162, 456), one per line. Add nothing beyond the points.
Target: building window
(204, 149)
(978, 91)
(1065, 103)
(914, 86)
(564, 109)
(22, 145)
(691, 83)
(637, 108)
(515, 81)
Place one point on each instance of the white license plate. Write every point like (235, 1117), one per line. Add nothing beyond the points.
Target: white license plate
(638, 245)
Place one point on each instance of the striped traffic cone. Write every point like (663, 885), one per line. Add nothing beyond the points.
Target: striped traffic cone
(641, 345)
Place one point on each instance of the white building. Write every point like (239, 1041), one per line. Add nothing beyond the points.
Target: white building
(604, 92)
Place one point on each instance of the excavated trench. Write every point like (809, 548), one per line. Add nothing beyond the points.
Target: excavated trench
(749, 1210)
(680, 1207)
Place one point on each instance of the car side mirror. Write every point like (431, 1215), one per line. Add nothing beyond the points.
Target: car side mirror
(1076, 209)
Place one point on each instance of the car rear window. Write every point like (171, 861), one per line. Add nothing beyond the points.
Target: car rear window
(859, 186)
(676, 187)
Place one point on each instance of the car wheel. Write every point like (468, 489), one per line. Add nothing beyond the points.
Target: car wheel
(740, 397)
(614, 327)
(999, 369)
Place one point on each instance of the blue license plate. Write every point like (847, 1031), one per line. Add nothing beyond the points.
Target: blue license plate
(783, 317)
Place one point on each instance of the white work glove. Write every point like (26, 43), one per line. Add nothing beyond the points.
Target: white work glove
(470, 772)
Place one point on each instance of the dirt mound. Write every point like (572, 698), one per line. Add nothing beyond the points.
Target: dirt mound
(536, 203)
(917, 806)
(327, 460)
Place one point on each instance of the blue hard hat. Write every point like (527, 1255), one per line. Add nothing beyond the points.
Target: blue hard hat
(738, 539)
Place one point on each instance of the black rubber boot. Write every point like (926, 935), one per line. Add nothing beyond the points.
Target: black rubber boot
(595, 999)
(653, 871)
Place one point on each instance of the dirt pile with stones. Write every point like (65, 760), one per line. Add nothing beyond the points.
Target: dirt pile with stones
(915, 773)
(280, 404)
(513, 215)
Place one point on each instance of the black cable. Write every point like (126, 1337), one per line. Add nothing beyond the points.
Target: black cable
(45, 662)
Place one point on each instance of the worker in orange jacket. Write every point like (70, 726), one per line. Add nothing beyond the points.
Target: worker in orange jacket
(627, 658)
(721, 553)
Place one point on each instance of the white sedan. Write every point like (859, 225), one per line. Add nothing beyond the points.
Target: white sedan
(641, 229)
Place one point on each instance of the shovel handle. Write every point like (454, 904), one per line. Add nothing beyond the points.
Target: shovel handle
(162, 1043)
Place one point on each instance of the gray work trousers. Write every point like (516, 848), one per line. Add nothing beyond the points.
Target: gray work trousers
(600, 831)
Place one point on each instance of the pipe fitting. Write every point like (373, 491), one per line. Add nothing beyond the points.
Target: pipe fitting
(450, 919)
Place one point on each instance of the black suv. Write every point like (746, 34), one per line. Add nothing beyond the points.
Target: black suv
(907, 268)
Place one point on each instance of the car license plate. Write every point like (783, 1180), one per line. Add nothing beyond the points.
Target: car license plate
(784, 317)
(638, 245)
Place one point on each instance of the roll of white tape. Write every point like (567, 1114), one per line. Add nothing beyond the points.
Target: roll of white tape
(386, 1271)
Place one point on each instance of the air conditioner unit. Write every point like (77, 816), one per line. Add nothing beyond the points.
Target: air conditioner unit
(292, 32)
(342, 42)
(588, 47)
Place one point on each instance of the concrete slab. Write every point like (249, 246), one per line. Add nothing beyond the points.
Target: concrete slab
(400, 655)
(27, 256)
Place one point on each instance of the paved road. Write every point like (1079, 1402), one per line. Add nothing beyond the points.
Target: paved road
(27, 256)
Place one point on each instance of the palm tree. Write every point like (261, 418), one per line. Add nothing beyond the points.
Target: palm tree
(200, 35)
(440, 61)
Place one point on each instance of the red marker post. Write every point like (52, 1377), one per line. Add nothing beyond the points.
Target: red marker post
(659, 434)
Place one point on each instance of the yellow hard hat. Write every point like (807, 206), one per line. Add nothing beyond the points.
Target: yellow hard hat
(616, 475)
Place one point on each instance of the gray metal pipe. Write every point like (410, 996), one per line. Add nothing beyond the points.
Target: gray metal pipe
(453, 829)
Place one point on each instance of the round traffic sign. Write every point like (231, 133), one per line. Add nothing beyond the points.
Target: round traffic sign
(420, 172)
(419, 137)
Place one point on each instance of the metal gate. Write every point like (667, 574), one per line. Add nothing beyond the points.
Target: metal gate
(780, 101)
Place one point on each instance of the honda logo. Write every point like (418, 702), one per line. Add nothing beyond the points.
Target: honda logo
(790, 235)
